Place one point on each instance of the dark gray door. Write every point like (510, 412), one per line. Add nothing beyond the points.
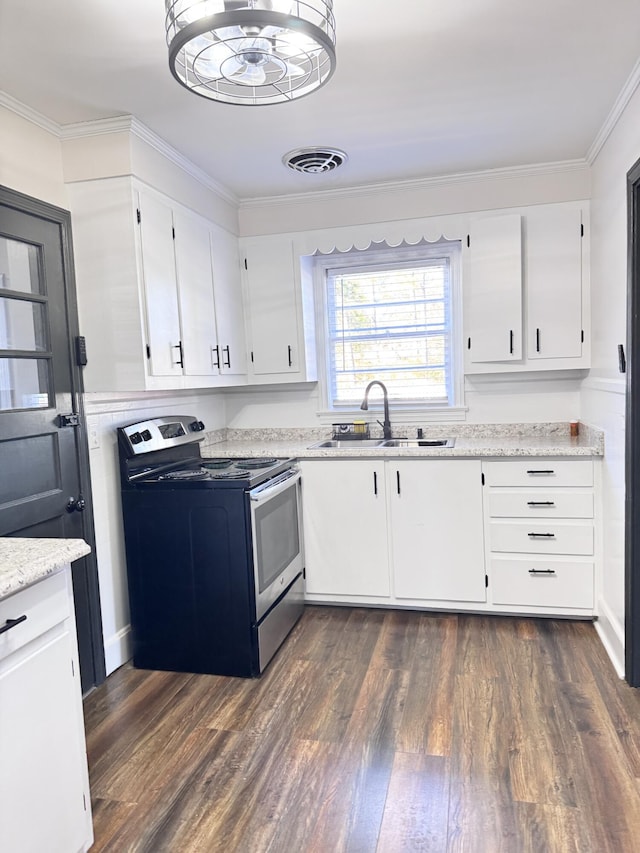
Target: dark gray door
(44, 483)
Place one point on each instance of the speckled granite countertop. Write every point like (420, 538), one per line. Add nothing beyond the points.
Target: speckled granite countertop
(470, 441)
(26, 561)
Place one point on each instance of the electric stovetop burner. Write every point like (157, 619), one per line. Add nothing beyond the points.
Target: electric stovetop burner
(251, 464)
(184, 475)
(216, 464)
(229, 475)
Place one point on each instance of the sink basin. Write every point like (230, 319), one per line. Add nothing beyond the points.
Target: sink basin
(419, 442)
(347, 444)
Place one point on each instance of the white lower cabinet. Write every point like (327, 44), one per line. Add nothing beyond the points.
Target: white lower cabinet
(541, 583)
(436, 529)
(345, 528)
(493, 535)
(541, 535)
(44, 789)
(391, 531)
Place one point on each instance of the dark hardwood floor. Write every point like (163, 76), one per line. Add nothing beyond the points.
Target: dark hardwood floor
(376, 730)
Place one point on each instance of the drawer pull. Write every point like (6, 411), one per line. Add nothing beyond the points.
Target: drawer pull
(542, 571)
(540, 503)
(541, 535)
(541, 471)
(11, 623)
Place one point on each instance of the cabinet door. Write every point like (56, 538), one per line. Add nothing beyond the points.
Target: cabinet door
(495, 289)
(272, 305)
(42, 803)
(228, 299)
(437, 542)
(345, 528)
(195, 288)
(160, 286)
(554, 283)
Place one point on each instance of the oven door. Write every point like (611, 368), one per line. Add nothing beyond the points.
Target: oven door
(277, 537)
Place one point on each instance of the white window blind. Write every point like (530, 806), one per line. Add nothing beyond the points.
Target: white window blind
(391, 323)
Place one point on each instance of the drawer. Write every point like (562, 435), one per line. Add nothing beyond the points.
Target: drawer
(542, 537)
(45, 604)
(538, 583)
(551, 503)
(538, 472)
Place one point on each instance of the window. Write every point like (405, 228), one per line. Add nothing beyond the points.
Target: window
(390, 316)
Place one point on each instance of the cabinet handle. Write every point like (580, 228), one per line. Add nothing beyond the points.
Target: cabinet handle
(290, 359)
(537, 340)
(375, 483)
(541, 535)
(511, 341)
(541, 471)
(542, 572)
(398, 481)
(540, 503)
(11, 623)
(226, 361)
(180, 361)
(215, 350)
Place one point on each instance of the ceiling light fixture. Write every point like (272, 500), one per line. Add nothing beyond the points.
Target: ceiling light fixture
(251, 51)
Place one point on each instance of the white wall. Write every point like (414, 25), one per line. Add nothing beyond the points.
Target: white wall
(30, 159)
(416, 200)
(512, 399)
(603, 393)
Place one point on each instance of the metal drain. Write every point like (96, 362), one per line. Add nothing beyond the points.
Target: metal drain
(314, 161)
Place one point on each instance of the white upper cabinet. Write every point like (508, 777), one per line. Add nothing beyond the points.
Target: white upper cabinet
(146, 291)
(227, 287)
(161, 287)
(278, 306)
(495, 289)
(195, 295)
(528, 271)
(553, 271)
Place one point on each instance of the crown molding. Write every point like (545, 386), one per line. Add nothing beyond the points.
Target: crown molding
(118, 124)
(621, 103)
(503, 173)
(134, 126)
(98, 127)
(29, 114)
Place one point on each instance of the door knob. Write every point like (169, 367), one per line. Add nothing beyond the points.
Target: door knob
(76, 504)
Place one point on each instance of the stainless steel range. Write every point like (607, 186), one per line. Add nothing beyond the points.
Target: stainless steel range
(214, 551)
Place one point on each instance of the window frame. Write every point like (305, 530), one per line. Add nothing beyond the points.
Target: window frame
(376, 256)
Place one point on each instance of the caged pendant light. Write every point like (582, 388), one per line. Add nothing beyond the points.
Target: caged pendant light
(251, 51)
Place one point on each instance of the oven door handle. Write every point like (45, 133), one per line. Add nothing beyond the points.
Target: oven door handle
(274, 487)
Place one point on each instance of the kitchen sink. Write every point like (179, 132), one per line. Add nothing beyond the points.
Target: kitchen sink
(347, 444)
(419, 442)
(380, 443)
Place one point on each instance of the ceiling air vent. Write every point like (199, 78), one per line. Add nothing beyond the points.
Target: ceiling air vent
(314, 161)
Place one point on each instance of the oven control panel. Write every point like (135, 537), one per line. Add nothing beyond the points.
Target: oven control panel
(161, 433)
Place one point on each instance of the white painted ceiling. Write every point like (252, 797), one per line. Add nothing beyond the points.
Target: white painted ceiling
(422, 88)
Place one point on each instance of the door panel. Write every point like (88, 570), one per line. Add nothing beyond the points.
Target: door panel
(495, 280)
(42, 462)
(160, 286)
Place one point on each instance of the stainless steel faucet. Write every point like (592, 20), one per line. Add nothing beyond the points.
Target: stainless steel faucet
(386, 424)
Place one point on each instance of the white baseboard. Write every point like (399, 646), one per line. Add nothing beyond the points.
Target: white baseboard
(117, 649)
(611, 634)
